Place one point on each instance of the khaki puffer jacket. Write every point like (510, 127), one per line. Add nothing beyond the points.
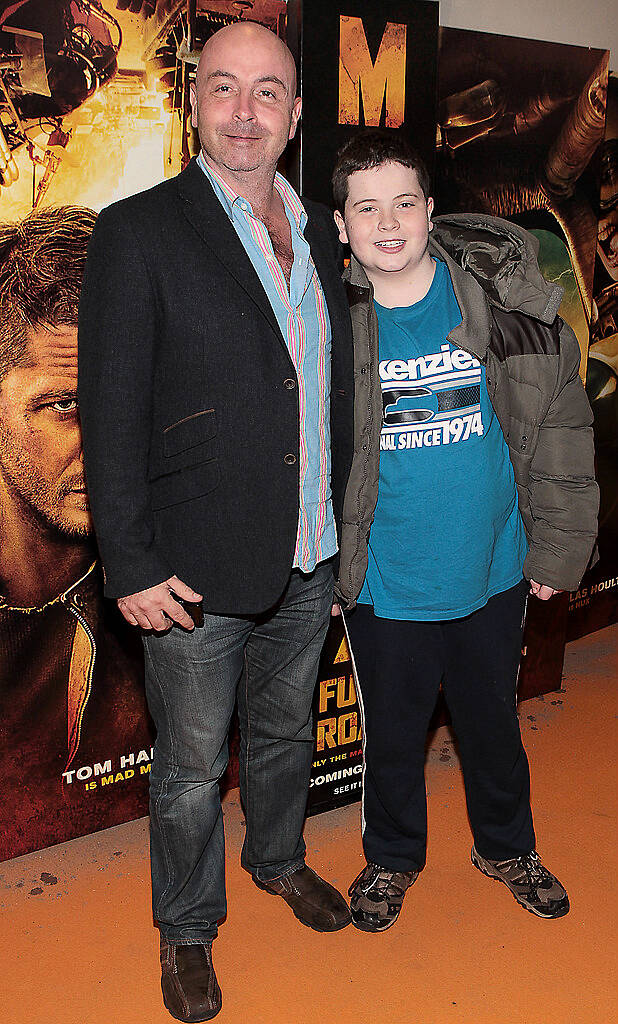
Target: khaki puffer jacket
(510, 323)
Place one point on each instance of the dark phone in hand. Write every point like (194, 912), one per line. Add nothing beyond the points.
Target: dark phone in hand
(194, 610)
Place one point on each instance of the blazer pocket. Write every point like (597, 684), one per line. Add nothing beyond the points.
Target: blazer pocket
(184, 485)
(189, 444)
(189, 432)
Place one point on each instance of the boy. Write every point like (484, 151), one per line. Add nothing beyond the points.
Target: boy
(472, 485)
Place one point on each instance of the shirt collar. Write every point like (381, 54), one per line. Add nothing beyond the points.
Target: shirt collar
(229, 197)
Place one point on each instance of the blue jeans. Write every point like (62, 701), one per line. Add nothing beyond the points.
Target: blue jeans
(192, 683)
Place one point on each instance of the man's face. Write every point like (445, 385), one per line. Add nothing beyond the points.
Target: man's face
(386, 219)
(243, 101)
(607, 244)
(40, 438)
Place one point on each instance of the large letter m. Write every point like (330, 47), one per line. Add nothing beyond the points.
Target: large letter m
(358, 72)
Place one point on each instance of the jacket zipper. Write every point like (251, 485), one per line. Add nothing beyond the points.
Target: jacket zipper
(370, 434)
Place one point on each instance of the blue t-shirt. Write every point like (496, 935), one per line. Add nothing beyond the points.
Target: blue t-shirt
(447, 533)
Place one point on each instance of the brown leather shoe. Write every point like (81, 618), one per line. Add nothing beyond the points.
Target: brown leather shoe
(315, 902)
(190, 988)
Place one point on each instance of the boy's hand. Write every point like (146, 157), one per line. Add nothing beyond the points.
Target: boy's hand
(541, 591)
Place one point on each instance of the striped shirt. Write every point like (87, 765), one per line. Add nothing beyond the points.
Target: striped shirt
(302, 316)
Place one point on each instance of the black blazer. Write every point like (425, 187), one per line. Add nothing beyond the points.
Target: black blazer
(189, 399)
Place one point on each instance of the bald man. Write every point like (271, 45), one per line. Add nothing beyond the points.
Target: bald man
(215, 389)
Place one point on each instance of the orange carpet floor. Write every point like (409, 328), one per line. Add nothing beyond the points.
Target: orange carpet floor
(79, 946)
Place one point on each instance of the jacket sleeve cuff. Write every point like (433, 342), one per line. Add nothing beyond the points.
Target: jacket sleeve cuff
(135, 575)
(558, 576)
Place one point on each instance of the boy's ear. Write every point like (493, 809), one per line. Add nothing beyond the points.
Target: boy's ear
(339, 221)
(429, 212)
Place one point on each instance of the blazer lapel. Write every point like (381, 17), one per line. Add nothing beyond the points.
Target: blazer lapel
(204, 211)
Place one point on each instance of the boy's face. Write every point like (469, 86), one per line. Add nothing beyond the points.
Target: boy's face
(386, 220)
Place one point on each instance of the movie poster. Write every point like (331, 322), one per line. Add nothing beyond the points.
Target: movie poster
(595, 604)
(520, 129)
(93, 107)
(362, 64)
(337, 770)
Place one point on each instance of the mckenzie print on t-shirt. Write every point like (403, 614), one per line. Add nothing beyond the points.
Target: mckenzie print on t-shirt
(431, 400)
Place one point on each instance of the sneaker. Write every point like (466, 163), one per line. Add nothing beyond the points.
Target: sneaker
(377, 896)
(532, 885)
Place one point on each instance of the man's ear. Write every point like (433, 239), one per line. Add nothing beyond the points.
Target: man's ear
(429, 212)
(295, 117)
(339, 221)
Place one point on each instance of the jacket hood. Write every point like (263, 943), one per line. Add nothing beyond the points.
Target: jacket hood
(499, 255)
(502, 258)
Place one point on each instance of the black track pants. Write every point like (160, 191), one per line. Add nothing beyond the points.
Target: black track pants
(400, 665)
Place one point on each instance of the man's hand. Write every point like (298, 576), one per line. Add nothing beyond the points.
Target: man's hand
(541, 591)
(336, 609)
(155, 608)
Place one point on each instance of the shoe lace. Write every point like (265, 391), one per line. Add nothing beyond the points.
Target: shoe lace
(530, 865)
(376, 879)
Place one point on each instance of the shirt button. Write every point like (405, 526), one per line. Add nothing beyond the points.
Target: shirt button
(289, 459)
(289, 384)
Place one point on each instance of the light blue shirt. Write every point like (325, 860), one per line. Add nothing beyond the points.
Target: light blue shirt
(302, 316)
